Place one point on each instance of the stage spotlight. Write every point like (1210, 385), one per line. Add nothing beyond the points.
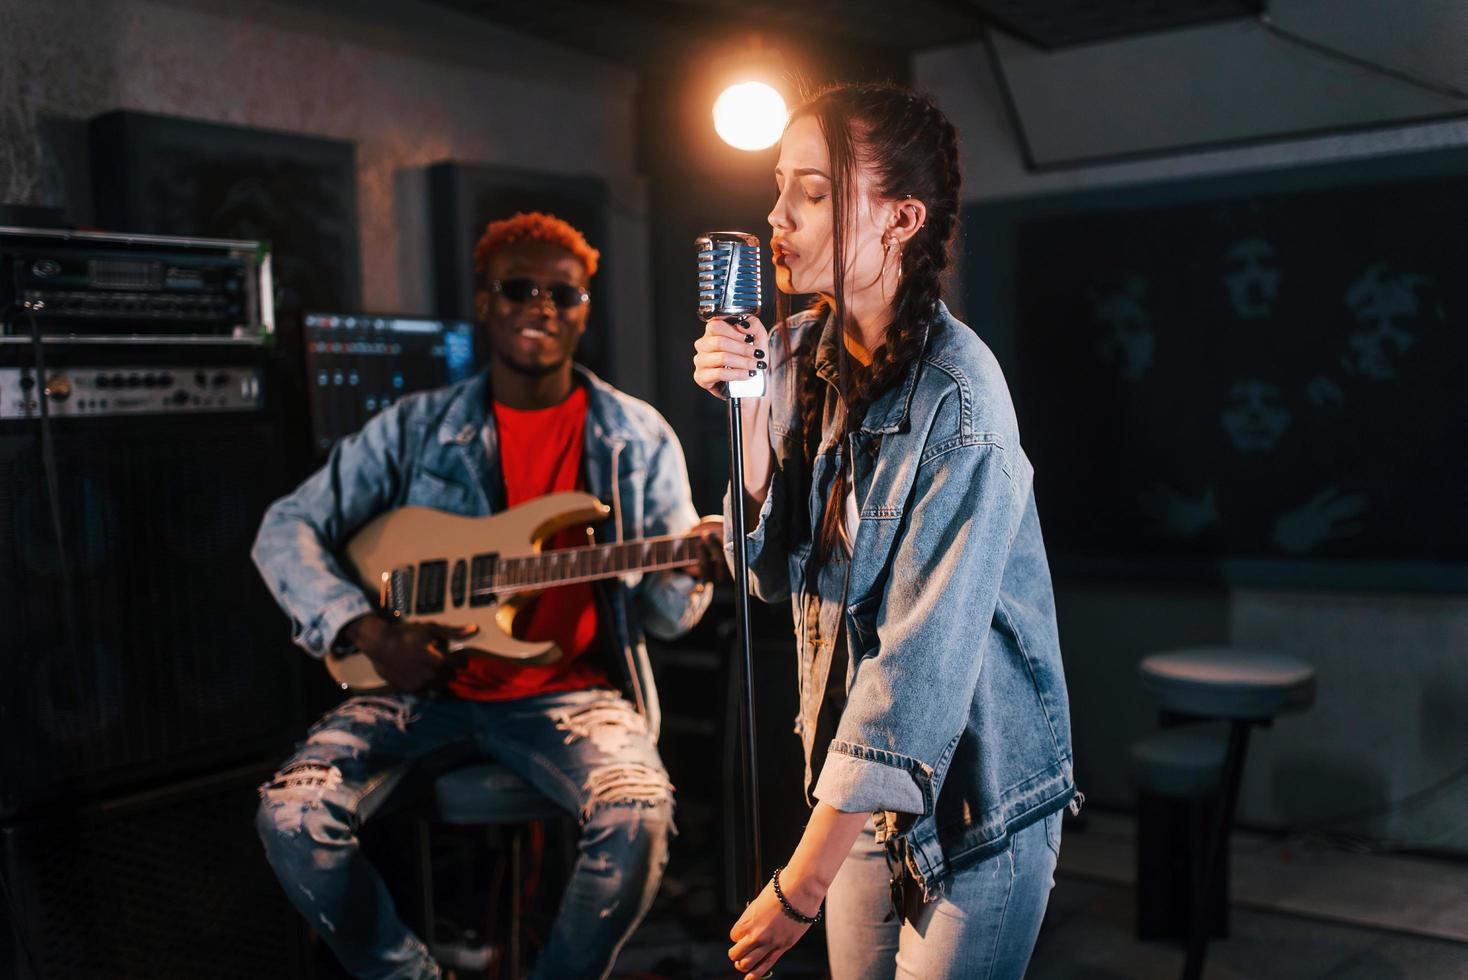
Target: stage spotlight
(749, 116)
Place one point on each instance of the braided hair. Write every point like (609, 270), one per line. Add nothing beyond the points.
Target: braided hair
(911, 149)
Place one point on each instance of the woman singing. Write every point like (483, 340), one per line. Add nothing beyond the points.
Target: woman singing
(890, 500)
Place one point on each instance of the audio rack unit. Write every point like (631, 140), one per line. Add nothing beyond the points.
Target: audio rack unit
(83, 391)
(99, 287)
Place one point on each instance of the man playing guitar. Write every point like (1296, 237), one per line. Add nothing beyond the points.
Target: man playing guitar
(581, 729)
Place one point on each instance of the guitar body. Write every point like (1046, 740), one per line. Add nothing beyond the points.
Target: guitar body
(388, 552)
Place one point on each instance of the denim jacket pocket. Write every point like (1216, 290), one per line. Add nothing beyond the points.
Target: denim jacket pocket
(862, 623)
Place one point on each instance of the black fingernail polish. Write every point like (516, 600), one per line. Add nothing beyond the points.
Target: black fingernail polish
(761, 365)
(759, 353)
(751, 374)
(749, 338)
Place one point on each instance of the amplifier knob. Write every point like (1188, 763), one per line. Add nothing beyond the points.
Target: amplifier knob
(58, 389)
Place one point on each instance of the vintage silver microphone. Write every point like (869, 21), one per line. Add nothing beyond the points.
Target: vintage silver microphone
(729, 286)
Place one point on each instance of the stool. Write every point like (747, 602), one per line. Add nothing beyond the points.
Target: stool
(1178, 772)
(1243, 688)
(489, 795)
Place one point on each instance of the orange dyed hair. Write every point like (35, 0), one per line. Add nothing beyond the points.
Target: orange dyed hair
(533, 227)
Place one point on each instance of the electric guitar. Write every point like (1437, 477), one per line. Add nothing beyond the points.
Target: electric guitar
(423, 564)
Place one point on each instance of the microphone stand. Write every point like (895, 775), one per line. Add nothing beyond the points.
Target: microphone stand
(750, 763)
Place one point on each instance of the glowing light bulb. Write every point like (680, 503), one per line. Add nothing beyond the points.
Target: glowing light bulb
(749, 116)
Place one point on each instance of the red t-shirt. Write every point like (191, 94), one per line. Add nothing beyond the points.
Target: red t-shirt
(541, 453)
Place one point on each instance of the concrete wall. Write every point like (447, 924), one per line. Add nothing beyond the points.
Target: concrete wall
(1393, 669)
(411, 83)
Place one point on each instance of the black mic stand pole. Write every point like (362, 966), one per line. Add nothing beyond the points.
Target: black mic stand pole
(741, 635)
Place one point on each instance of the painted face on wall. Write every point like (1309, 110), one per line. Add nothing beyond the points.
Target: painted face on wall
(1252, 278)
(1127, 339)
(1383, 306)
(1254, 419)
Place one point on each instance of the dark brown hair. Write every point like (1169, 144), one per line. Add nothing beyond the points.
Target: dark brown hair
(911, 149)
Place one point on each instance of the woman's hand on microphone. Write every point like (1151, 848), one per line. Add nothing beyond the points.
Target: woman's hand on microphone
(729, 351)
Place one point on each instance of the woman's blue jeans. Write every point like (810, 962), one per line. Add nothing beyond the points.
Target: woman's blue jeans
(982, 927)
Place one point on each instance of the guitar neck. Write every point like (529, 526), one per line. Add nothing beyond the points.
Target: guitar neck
(586, 564)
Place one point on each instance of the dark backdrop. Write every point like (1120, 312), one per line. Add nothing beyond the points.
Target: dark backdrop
(1248, 378)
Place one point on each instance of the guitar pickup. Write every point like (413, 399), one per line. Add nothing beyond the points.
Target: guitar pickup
(396, 596)
(481, 579)
(432, 580)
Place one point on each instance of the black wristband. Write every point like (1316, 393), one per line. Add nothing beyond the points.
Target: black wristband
(809, 920)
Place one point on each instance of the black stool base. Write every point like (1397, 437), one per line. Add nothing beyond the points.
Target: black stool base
(1172, 837)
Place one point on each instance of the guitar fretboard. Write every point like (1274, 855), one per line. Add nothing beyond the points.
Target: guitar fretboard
(432, 585)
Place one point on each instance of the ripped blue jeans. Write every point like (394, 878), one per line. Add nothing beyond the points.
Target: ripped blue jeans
(589, 751)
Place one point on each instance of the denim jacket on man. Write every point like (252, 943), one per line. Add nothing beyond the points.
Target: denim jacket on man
(956, 728)
(440, 449)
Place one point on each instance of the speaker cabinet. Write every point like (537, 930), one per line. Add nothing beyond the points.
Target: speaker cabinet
(168, 884)
(170, 657)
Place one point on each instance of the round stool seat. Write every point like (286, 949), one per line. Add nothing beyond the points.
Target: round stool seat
(1186, 761)
(1225, 682)
(488, 793)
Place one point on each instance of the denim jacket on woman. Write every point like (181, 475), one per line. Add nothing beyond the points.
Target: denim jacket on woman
(955, 730)
(440, 449)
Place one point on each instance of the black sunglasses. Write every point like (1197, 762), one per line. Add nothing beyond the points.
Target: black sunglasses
(563, 294)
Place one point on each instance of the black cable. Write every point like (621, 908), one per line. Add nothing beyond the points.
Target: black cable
(1325, 50)
(53, 490)
(17, 926)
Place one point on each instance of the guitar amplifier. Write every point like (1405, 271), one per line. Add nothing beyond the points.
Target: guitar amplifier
(152, 650)
(167, 885)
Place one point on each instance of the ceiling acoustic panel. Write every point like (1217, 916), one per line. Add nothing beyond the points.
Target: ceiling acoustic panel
(1061, 23)
(1231, 83)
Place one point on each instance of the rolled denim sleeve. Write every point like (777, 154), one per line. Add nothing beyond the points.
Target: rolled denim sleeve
(910, 695)
(302, 533)
(670, 603)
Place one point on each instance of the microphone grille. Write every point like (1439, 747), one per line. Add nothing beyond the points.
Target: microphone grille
(728, 274)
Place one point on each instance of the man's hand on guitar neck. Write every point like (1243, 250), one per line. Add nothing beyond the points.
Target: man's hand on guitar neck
(711, 565)
(411, 657)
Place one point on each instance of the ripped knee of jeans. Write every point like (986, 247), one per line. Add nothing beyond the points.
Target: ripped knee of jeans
(626, 784)
(295, 791)
(612, 726)
(340, 739)
(369, 710)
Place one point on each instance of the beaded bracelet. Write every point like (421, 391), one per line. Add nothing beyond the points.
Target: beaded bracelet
(790, 909)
